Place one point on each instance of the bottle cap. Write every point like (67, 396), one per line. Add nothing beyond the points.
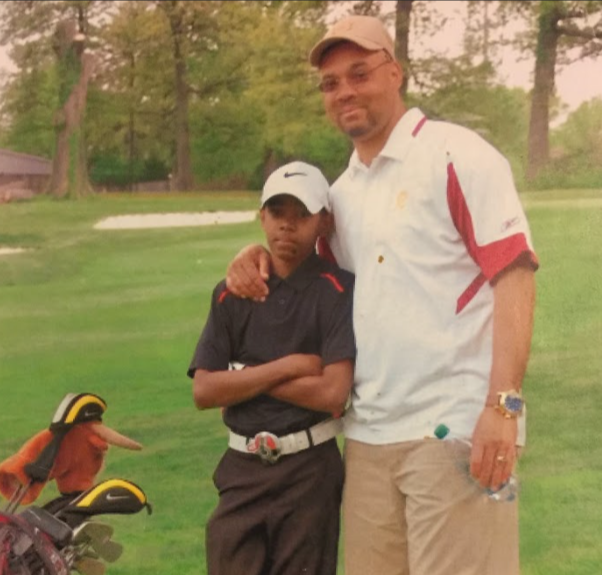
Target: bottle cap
(441, 431)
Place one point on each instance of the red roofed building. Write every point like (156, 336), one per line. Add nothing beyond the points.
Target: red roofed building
(22, 175)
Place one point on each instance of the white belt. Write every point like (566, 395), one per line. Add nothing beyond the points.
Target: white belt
(270, 447)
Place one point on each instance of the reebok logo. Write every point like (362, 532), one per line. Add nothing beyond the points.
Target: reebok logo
(291, 174)
(510, 223)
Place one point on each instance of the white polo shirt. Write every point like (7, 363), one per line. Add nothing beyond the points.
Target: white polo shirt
(425, 228)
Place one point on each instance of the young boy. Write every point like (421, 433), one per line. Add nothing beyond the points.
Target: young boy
(283, 371)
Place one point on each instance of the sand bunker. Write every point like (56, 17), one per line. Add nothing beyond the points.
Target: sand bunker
(141, 221)
(8, 251)
(180, 220)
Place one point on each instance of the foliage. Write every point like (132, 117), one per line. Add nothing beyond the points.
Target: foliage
(130, 104)
(228, 143)
(580, 137)
(28, 105)
(576, 150)
(557, 32)
(246, 95)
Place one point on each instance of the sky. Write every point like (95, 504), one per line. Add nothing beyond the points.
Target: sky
(579, 82)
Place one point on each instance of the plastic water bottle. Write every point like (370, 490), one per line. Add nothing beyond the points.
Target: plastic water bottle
(506, 492)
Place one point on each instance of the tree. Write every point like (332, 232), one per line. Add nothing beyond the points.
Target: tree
(29, 100)
(39, 29)
(281, 88)
(561, 26)
(131, 99)
(557, 21)
(576, 148)
(179, 15)
(69, 165)
(403, 11)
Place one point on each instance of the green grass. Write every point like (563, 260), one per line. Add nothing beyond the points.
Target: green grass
(562, 467)
(118, 313)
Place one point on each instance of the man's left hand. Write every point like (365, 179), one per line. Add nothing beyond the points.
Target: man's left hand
(493, 453)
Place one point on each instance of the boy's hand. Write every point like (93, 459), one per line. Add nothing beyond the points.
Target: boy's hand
(248, 273)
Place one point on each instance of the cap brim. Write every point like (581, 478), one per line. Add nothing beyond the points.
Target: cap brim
(313, 207)
(315, 56)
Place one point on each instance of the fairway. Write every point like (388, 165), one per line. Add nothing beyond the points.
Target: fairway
(118, 313)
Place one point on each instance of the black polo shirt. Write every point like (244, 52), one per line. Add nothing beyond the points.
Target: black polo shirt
(308, 312)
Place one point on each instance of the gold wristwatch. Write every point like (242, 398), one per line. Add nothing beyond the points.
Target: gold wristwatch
(509, 403)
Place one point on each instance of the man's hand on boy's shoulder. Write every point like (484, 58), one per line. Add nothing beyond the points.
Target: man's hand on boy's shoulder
(248, 273)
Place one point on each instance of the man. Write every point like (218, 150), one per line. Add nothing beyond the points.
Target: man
(428, 218)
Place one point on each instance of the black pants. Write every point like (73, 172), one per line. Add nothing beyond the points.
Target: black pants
(280, 519)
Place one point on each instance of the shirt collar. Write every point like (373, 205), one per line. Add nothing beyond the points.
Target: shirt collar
(399, 141)
(309, 269)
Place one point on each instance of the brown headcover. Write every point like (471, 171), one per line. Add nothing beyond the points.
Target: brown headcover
(79, 459)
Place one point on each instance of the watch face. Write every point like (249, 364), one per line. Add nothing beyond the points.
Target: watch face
(513, 404)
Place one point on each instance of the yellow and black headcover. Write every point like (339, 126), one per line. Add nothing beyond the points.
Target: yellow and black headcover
(109, 496)
(74, 409)
(78, 408)
(70, 451)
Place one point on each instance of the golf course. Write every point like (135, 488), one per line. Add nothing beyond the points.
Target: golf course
(117, 312)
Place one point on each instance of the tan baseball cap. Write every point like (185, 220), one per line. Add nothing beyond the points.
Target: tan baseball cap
(365, 31)
(301, 180)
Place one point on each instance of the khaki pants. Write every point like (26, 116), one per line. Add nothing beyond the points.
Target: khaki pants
(410, 509)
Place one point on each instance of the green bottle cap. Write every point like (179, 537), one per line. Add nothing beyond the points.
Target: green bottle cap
(441, 431)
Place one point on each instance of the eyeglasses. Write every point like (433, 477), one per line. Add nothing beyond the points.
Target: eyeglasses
(355, 77)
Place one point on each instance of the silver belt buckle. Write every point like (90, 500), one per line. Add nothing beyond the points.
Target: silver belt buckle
(266, 445)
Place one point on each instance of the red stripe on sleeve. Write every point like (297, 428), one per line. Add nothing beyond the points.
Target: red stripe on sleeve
(491, 258)
(470, 292)
(459, 212)
(497, 256)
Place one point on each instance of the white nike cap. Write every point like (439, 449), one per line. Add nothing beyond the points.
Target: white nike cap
(301, 180)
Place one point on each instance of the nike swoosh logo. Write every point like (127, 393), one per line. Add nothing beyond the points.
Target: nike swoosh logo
(291, 174)
(116, 497)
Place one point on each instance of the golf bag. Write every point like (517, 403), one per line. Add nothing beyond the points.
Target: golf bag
(64, 535)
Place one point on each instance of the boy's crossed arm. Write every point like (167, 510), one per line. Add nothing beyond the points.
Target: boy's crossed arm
(297, 378)
(327, 391)
(228, 387)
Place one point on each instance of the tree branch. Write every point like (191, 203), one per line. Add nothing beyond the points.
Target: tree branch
(575, 32)
(568, 14)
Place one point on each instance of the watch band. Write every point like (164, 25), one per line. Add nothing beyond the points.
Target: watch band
(509, 403)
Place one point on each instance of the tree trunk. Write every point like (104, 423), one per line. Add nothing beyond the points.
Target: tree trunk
(486, 27)
(543, 89)
(131, 124)
(270, 163)
(183, 178)
(403, 10)
(69, 166)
